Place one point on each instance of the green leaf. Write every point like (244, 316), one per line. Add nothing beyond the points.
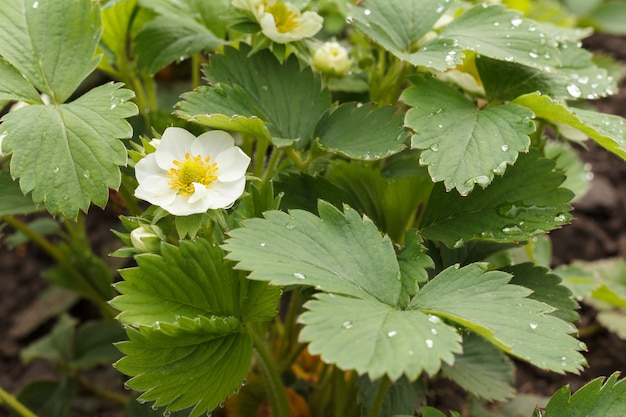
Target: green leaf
(506, 317)
(287, 99)
(546, 288)
(592, 400)
(402, 396)
(69, 155)
(303, 191)
(13, 201)
(463, 145)
(398, 25)
(609, 17)
(55, 346)
(170, 38)
(503, 34)
(578, 77)
(192, 363)
(49, 398)
(191, 280)
(525, 202)
(54, 61)
(15, 87)
(607, 130)
(362, 132)
(94, 344)
(339, 253)
(482, 369)
(413, 262)
(117, 20)
(374, 338)
(569, 162)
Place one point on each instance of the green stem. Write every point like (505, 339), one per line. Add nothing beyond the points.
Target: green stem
(259, 156)
(271, 165)
(295, 157)
(14, 404)
(273, 382)
(107, 311)
(380, 397)
(195, 70)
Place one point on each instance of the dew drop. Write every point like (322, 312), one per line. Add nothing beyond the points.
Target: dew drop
(263, 244)
(411, 353)
(126, 386)
(299, 275)
(35, 5)
(264, 88)
(87, 174)
(392, 333)
(154, 407)
(141, 400)
(221, 405)
(533, 325)
(458, 243)
(560, 217)
(439, 9)
(574, 91)
(440, 126)
(346, 324)
(534, 54)
(496, 24)
(509, 59)
(112, 106)
(511, 230)
(55, 169)
(244, 382)
(291, 226)
(516, 21)
(167, 413)
(434, 319)
(429, 343)
(367, 12)
(504, 148)
(349, 20)
(434, 147)
(433, 331)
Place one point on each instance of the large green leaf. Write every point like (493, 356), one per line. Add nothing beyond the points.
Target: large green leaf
(185, 309)
(398, 25)
(525, 202)
(595, 399)
(504, 35)
(606, 129)
(192, 363)
(486, 303)
(343, 254)
(117, 20)
(463, 145)
(578, 77)
(402, 397)
(482, 369)
(287, 99)
(170, 38)
(362, 132)
(54, 57)
(69, 155)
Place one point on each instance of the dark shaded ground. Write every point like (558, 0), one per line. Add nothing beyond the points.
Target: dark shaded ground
(598, 231)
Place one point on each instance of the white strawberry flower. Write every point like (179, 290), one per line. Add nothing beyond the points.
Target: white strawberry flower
(332, 58)
(188, 175)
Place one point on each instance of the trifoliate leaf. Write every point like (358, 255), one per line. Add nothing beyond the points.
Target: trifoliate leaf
(375, 338)
(362, 132)
(463, 145)
(170, 38)
(505, 317)
(336, 252)
(191, 280)
(546, 288)
(398, 25)
(288, 100)
(535, 206)
(578, 77)
(502, 34)
(606, 129)
(69, 155)
(482, 369)
(54, 61)
(592, 400)
(192, 363)
(15, 87)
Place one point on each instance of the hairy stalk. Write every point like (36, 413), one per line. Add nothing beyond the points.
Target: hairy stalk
(273, 382)
(107, 311)
(14, 404)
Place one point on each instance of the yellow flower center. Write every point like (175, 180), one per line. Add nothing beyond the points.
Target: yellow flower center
(286, 20)
(189, 171)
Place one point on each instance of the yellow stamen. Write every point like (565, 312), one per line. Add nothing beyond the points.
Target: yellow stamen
(286, 20)
(192, 170)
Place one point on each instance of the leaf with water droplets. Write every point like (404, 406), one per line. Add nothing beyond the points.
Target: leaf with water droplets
(507, 318)
(53, 146)
(595, 399)
(496, 213)
(462, 144)
(607, 130)
(257, 94)
(398, 26)
(362, 132)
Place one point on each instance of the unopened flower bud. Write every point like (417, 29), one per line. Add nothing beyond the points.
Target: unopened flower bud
(144, 240)
(332, 58)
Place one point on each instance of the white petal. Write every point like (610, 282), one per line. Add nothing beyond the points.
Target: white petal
(310, 24)
(155, 191)
(223, 195)
(181, 206)
(198, 194)
(231, 164)
(147, 167)
(212, 143)
(175, 143)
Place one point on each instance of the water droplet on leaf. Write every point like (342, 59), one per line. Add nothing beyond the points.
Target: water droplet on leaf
(346, 324)
(533, 325)
(299, 275)
(392, 333)
(429, 343)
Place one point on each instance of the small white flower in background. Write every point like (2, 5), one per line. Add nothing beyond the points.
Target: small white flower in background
(188, 175)
(144, 240)
(332, 58)
(280, 21)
